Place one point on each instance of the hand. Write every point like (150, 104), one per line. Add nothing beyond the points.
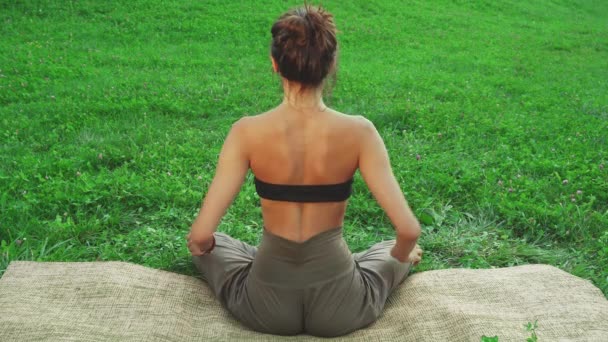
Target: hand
(414, 257)
(200, 248)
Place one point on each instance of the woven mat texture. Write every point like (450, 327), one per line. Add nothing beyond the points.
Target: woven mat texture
(117, 301)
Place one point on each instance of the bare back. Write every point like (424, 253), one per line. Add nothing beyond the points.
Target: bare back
(298, 147)
(292, 147)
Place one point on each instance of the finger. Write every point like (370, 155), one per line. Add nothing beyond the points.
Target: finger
(193, 247)
(198, 252)
(195, 251)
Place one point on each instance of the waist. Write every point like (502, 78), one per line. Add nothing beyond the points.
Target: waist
(285, 263)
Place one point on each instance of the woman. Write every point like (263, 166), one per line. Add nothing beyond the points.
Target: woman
(303, 278)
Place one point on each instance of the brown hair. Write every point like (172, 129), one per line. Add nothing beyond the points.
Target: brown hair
(304, 45)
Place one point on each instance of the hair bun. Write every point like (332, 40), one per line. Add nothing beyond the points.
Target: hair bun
(304, 45)
(321, 24)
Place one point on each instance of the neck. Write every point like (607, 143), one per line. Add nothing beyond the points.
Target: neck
(309, 99)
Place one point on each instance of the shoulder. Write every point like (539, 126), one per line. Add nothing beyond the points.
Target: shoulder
(250, 121)
(241, 124)
(356, 123)
(246, 123)
(238, 129)
(364, 123)
(248, 126)
(364, 132)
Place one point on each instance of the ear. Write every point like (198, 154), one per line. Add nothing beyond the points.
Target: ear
(275, 66)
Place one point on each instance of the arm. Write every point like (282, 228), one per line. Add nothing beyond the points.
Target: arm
(232, 168)
(375, 167)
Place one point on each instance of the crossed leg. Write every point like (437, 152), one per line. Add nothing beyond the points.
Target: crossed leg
(225, 269)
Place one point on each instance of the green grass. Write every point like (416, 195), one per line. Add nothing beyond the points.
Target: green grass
(112, 115)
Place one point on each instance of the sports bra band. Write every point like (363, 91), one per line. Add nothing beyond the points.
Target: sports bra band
(304, 193)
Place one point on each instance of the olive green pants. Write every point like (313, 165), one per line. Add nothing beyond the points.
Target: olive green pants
(316, 287)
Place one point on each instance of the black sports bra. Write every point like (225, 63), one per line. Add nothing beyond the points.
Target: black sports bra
(304, 193)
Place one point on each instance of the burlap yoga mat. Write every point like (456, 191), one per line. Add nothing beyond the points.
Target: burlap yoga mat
(116, 301)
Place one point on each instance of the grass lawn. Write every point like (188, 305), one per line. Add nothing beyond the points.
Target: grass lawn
(495, 115)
